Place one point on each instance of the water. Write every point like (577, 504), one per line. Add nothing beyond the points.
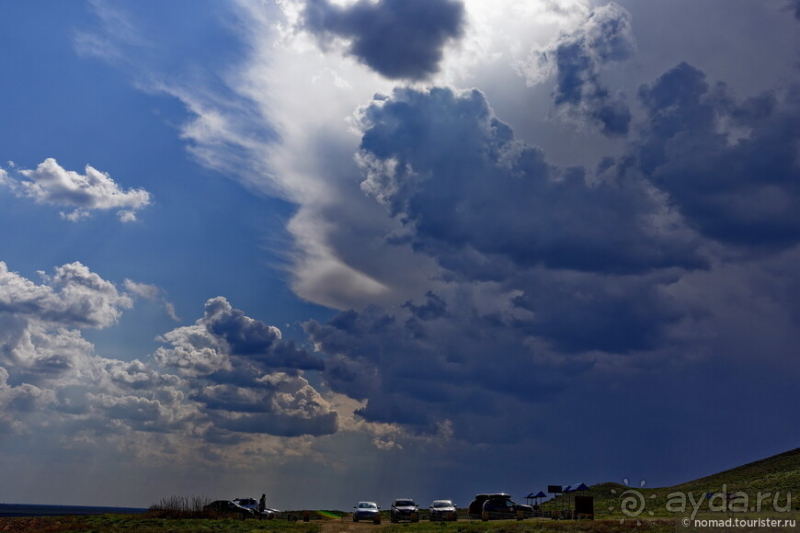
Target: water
(24, 509)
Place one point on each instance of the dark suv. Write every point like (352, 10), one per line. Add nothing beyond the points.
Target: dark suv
(404, 509)
(498, 506)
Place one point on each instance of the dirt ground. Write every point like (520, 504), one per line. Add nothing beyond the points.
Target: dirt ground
(17, 525)
(38, 525)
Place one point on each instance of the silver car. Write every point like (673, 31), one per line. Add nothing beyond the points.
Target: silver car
(404, 509)
(444, 510)
(367, 511)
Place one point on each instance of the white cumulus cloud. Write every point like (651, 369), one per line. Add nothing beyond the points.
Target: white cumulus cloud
(51, 184)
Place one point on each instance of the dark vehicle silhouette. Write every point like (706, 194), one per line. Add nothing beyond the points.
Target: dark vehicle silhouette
(229, 508)
(252, 504)
(498, 506)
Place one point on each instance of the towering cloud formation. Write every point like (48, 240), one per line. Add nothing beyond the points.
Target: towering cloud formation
(545, 269)
(51, 184)
(400, 39)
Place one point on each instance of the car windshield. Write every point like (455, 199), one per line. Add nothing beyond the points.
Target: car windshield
(404, 503)
(366, 505)
(442, 503)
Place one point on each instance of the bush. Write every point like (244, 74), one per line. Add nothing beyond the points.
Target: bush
(180, 507)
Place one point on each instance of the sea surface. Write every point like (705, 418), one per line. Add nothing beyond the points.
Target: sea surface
(25, 509)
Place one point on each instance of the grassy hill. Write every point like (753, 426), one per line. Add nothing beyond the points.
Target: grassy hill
(777, 474)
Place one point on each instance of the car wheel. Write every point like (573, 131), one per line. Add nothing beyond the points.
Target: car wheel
(355, 519)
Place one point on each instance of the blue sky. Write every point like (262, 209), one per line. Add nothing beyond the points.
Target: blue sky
(333, 250)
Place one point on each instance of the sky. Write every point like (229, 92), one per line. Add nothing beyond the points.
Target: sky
(344, 250)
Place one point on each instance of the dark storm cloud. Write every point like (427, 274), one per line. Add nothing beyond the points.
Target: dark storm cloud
(730, 166)
(255, 340)
(232, 346)
(578, 59)
(596, 267)
(591, 265)
(460, 183)
(434, 307)
(577, 313)
(400, 39)
(419, 373)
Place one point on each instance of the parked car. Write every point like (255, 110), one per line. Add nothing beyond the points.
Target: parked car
(443, 510)
(367, 511)
(404, 509)
(252, 504)
(498, 506)
(476, 506)
(229, 508)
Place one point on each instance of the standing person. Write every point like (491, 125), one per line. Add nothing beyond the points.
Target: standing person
(262, 503)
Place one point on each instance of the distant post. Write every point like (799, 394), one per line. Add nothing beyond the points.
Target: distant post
(555, 489)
